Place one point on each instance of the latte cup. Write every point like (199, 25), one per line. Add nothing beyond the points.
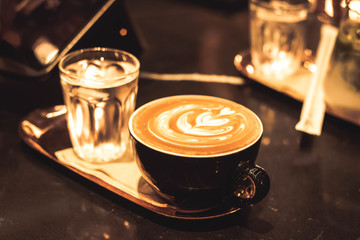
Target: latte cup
(199, 152)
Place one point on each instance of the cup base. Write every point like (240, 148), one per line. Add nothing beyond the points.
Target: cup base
(192, 200)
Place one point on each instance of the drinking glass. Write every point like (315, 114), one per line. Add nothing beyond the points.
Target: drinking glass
(277, 36)
(346, 55)
(99, 88)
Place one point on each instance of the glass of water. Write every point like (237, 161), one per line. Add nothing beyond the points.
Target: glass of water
(277, 36)
(346, 56)
(99, 88)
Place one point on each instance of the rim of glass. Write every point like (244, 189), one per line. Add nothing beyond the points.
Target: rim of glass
(98, 49)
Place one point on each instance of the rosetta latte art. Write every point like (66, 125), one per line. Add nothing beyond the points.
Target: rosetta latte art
(194, 125)
(201, 126)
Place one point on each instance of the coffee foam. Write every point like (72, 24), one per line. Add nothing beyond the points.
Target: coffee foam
(194, 125)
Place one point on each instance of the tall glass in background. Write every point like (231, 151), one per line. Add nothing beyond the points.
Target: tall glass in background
(99, 87)
(346, 55)
(277, 36)
(342, 84)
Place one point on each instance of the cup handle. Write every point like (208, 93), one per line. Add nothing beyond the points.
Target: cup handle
(250, 184)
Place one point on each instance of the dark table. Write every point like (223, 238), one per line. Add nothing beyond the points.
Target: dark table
(315, 183)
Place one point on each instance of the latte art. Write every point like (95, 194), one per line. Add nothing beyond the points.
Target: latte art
(195, 125)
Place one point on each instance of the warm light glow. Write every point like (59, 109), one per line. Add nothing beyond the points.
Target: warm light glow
(354, 12)
(343, 3)
(238, 58)
(99, 114)
(329, 9)
(91, 71)
(308, 52)
(127, 224)
(123, 32)
(59, 110)
(310, 66)
(279, 65)
(250, 69)
(45, 51)
(79, 120)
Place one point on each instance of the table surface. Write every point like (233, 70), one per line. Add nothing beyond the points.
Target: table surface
(315, 183)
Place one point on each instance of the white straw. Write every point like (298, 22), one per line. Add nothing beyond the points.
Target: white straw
(313, 110)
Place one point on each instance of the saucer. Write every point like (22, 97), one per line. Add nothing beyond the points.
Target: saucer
(45, 131)
(296, 86)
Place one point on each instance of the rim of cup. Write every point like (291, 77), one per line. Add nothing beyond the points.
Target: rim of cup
(132, 133)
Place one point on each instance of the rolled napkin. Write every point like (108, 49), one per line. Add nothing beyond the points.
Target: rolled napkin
(313, 110)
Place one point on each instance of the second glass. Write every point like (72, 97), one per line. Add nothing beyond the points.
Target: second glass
(277, 36)
(100, 88)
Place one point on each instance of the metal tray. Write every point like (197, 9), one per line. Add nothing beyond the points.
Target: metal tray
(45, 131)
(341, 101)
